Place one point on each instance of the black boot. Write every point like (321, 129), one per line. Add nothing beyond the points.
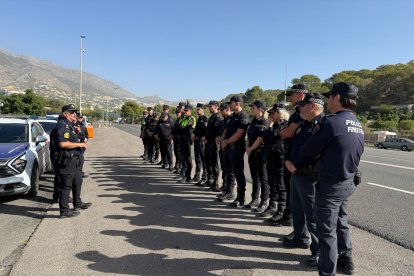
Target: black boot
(270, 210)
(253, 204)
(262, 207)
(214, 186)
(238, 202)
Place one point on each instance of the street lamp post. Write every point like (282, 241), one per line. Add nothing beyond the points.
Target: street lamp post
(1, 105)
(81, 68)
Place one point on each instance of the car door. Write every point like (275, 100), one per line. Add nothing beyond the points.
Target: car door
(39, 147)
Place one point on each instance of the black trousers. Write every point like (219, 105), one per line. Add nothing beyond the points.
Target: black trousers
(275, 174)
(286, 177)
(166, 152)
(177, 153)
(186, 157)
(258, 172)
(200, 158)
(145, 142)
(212, 158)
(70, 179)
(234, 158)
(151, 147)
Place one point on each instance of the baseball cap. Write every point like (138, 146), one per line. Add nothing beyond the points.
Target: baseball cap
(277, 107)
(312, 98)
(69, 107)
(236, 99)
(259, 104)
(297, 88)
(224, 106)
(343, 89)
(188, 107)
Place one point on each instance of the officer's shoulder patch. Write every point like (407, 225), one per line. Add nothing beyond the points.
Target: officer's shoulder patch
(244, 121)
(316, 128)
(263, 128)
(66, 135)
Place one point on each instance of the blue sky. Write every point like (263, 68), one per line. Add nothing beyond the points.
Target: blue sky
(209, 49)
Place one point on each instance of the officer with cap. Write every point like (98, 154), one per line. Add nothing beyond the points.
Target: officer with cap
(211, 148)
(163, 133)
(199, 148)
(175, 136)
(83, 135)
(256, 158)
(144, 135)
(337, 144)
(226, 171)
(235, 147)
(274, 152)
(150, 126)
(187, 126)
(303, 179)
(296, 93)
(68, 166)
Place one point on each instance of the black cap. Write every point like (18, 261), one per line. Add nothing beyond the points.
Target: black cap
(200, 105)
(149, 108)
(259, 104)
(277, 107)
(236, 99)
(188, 107)
(182, 104)
(213, 103)
(69, 107)
(224, 106)
(165, 107)
(297, 88)
(346, 90)
(312, 98)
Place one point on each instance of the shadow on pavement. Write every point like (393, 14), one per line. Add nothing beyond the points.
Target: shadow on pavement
(184, 219)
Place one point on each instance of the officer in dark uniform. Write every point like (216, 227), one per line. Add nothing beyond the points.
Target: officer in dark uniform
(199, 146)
(163, 134)
(144, 135)
(256, 157)
(165, 110)
(235, 147)
(150, 126)
(296, 93)
(274, 152)
(303, 179)
(337, 144)
(226, 171)
(175, 136)
(187, 126)
(211, 147)
(83, 135)
(69, 148)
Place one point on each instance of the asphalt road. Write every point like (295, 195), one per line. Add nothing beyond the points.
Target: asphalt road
(19, 216)
(384, 203)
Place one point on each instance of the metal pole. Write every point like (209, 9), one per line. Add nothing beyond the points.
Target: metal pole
(81, 68)
(285, 84)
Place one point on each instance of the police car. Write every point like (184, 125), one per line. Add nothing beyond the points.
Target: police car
(23, 156)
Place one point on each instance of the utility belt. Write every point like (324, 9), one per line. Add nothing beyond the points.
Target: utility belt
(198, 138)
(240, 147)
(307, 170)
(64, 158)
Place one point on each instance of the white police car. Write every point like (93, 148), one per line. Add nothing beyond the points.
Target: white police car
(23, 156)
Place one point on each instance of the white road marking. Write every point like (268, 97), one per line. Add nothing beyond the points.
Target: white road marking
(388, 165)
(391, 188)
(390, 158)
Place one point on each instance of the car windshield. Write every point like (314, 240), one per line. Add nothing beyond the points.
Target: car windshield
(13, 133)
(48, 126)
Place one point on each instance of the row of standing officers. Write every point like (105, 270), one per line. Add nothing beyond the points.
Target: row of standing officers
(303, 166)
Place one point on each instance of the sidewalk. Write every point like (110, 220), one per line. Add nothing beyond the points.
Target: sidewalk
(143, 223)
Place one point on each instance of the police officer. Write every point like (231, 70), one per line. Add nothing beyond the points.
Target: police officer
(83, 135)
(303, 180)
(274, 151)
(256, 158)
(211, 147)
(151, 124)
(163, 134)
(175, 136)
(296, 93)
(165, 110)
(69, 148)
(337, 143)
(144, 135)
(187, 126)
(199, 146)
(226, 171)
(235, 147)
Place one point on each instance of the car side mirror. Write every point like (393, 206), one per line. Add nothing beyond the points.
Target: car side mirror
(40, 139)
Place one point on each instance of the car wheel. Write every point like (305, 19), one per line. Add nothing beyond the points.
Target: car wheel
(380, 146)
(404, 148)
(34, 181)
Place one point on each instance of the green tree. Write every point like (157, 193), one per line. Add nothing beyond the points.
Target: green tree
(313, 83)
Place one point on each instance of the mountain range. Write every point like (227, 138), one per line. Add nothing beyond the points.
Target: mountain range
(18, 73)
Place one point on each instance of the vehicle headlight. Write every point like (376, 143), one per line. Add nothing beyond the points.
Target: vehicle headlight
(19, 164)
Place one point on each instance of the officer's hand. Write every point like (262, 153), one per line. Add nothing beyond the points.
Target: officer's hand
(171, 137)
(192, 138)
(83, 145)
(248, 151)
(289, 165)
(204, 140)
(223, 144)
